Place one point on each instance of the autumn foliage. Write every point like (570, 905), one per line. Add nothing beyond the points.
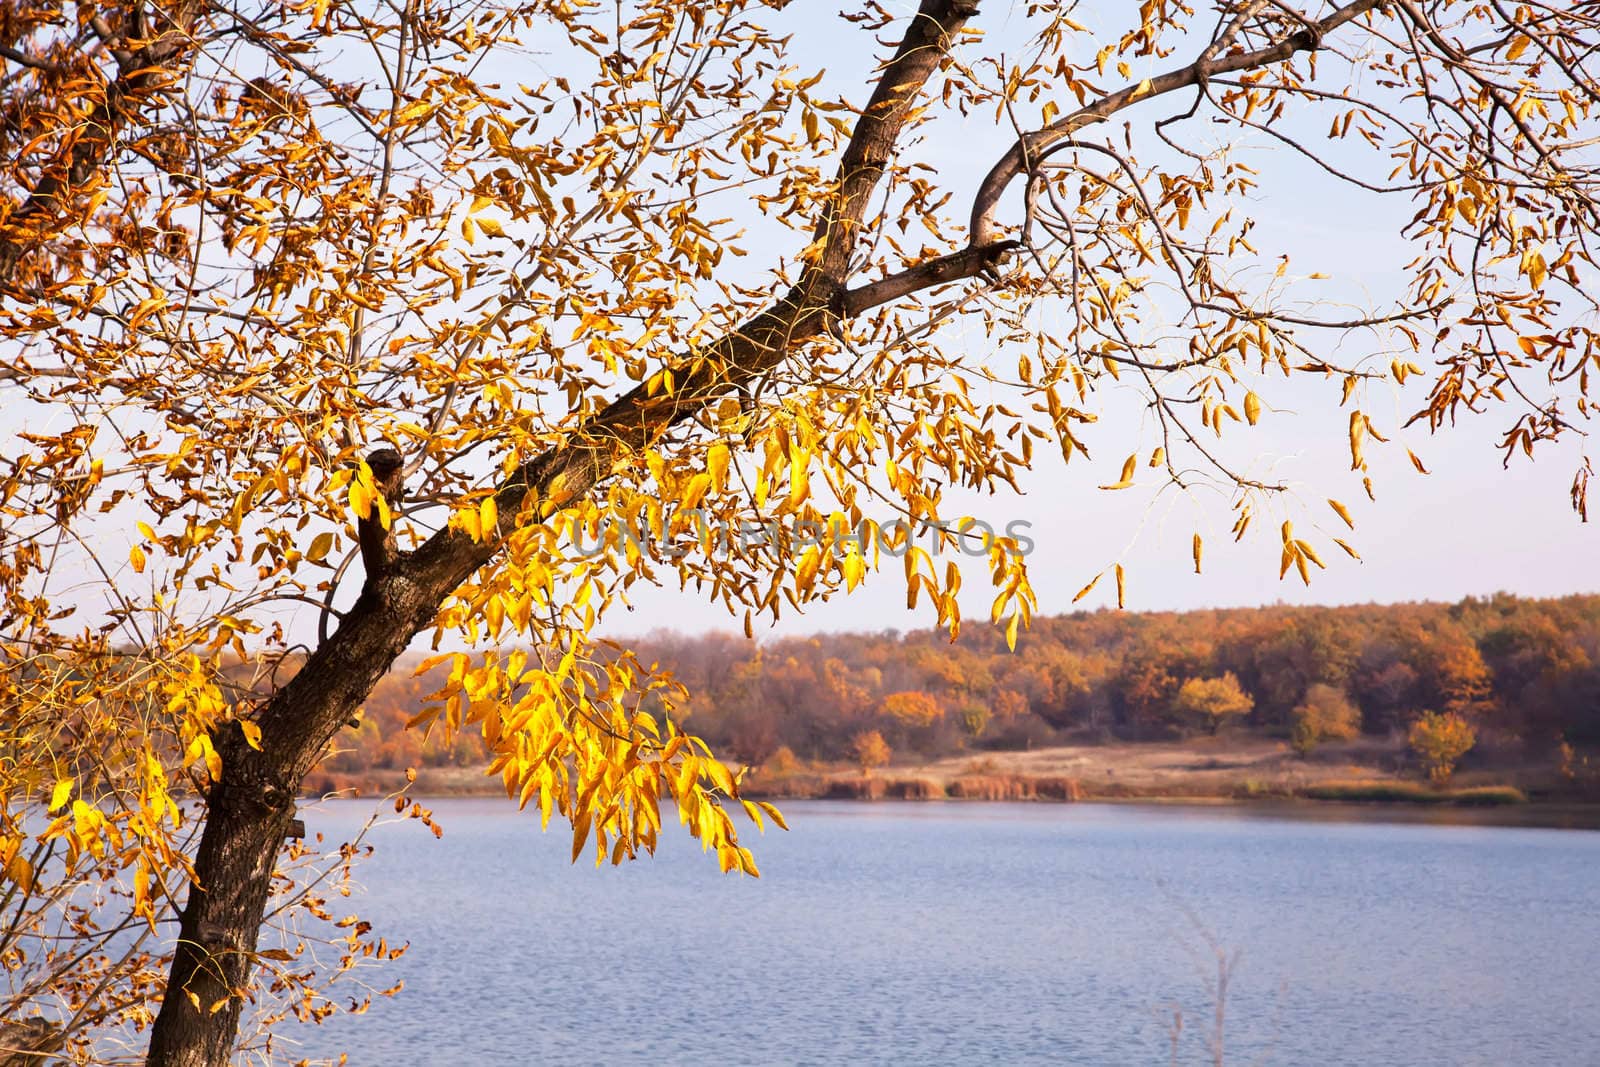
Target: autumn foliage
(1440, 739)
(1326, 714)
(330, 329)
(1309, 675)
(870, 750)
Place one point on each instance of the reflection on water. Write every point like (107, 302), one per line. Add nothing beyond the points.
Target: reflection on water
(984, 933)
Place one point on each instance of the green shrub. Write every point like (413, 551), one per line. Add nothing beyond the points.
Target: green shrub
(1326, 714)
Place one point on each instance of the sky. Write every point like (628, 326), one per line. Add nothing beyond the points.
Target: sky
(1470, 527)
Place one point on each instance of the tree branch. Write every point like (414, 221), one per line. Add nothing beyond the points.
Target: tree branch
(140, 76)
(970, 262)
(403, 594)
(630, 423)
(378, 551)
(1019, 160)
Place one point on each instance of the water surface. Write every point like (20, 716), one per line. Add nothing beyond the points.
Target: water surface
(981, 933)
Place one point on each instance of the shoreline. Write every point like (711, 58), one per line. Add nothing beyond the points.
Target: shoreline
(1229, 771)
(1535, 814)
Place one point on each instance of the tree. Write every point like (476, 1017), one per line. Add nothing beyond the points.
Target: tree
(1325, 714)
(870, 750)
(324, 309)
(912, 709)
(1212, 701)
(975, 719)
(1461, 679)
(1440, 739)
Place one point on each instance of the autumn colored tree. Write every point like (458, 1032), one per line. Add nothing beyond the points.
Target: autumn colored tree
(341, 324)
(870, 750)
(1440, 739)
(1326, 714)
(1289, 660)
(1461, 679)
(1212, 701)
(975, 718)
(912, 709)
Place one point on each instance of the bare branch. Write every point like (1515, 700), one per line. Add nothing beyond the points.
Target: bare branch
(1030, 147)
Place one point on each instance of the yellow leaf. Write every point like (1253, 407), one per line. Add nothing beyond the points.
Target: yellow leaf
(773, 813)
(1537, 269)
(20, 871)
(799, 477)
(361, 494)
(720, 777)
(854, 569)
(1252, 408)
(1417, 463)
(1011, 630)
(202, 747)
(806, 570)
(1358, 434)
(1310, 553)
(60, 794)
(695, 490)
(1121, 587)
(1341, 511)
(1126, 480)
(320, 546)
(252, 733)
(1089, 588)
(412, 111)
(717, 465)
(136, 557)
(1197, 551)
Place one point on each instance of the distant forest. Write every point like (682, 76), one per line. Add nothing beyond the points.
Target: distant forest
(1518, 670)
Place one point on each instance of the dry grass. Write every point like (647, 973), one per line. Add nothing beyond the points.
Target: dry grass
(1223, 768)
(916, 789)
(1413, 793)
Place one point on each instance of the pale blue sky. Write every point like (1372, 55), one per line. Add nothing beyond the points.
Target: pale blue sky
(1468, 528)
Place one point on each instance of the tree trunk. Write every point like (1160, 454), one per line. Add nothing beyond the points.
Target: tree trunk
(29, 1042)
(251, 809)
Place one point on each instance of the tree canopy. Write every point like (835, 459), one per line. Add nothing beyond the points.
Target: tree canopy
(336, 323)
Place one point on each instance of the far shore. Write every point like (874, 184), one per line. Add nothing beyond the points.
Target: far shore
(1222, 770)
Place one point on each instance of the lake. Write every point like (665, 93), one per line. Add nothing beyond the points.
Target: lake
(980, 933)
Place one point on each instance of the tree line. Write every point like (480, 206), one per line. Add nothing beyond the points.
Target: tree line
(1513, 669)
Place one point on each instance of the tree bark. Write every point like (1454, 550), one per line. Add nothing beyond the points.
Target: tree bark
(251, 810)
(136, 87)
(29, 1042)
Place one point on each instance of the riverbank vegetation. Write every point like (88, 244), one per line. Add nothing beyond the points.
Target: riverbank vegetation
(1314, 701)
(333, 330)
